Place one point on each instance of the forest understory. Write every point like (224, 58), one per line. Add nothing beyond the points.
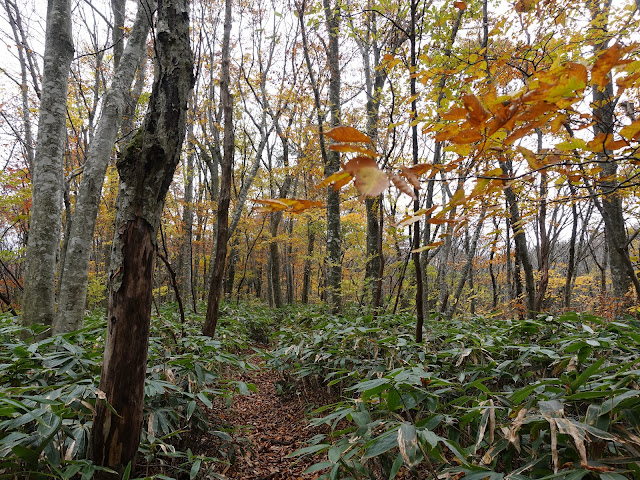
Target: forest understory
(296, 393)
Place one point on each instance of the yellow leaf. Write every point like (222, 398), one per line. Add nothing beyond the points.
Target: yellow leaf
(574, 143)
(341, 177)
(631, 132)
(347, 134)
(428, 247)
(458, 197)
(481, 185)
(496, 172)
(415, 216)
(532, 159)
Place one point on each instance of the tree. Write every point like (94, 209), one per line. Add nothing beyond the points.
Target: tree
(220, 259)
(146, 171)
(75, 269)
(46, 176)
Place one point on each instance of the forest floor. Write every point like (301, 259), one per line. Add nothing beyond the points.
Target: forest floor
(267, 427)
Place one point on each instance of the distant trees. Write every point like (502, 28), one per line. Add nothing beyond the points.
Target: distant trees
(511, 159)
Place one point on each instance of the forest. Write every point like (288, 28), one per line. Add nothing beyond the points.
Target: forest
(335, 239)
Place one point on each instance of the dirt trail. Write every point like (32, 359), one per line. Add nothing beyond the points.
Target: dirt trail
(275, 426)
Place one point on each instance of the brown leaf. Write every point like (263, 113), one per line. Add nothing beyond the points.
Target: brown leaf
(420, 168)
(370, 181)
(347, 134)
(410, 176)
(401, 185)
(460, 5)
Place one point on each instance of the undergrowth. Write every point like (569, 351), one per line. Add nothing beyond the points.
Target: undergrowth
(550, 398)
(481, 398)
(48, 391)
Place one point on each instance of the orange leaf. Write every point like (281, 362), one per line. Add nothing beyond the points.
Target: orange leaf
(370, 180)
(536, 110)
(455, 113)
(290, 205)
(342, 147)
(460, 5)
(466, 136)
(420, 168)
(605, 62)
(271, 205)
(301, 205)
(347, 134)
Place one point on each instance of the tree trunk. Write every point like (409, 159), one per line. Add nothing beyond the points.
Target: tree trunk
(466, 271)
(334, 236)
(622, 269)
(46, 176)
(27, 63)
(146, 171)
(217, 276)
(306, 271)
(186, 270)
(416, 204)
(73, 286)
(521, 243)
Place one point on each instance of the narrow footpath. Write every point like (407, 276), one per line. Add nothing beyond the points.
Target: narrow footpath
(268, 427)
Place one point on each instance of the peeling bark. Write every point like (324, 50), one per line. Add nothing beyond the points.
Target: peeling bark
(146, 171)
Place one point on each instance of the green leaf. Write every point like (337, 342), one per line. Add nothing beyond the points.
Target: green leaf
(26, 454)
(408, 443)
(395, 468)
(204, 399)
(381, 444)
(317, 467)
(584, 376)
(127, 472)
(393, 400)
(195, 468)
(308, 450)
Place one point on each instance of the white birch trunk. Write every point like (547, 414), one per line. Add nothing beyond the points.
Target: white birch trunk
(46, 175)
(73, 285)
